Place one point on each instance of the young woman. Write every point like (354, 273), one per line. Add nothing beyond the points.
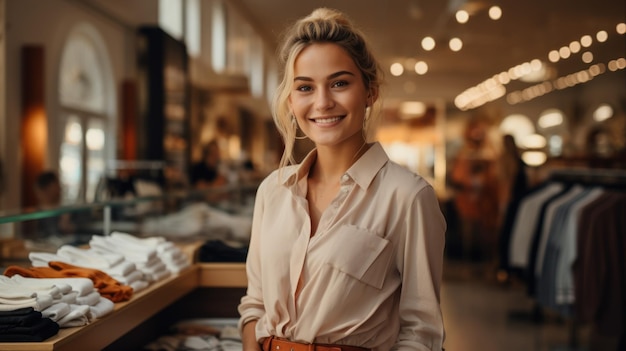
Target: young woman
(347, 247)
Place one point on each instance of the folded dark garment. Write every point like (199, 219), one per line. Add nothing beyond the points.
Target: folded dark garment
(219, 251)
(39, 331)
(17, 312)
(28, 319)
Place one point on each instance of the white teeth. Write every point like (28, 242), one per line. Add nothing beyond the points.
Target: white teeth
(327, 120)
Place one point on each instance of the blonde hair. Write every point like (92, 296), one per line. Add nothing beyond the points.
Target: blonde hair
(323, 25)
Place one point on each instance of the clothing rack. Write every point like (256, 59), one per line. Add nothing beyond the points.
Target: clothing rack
(612, 179)
(590, 176)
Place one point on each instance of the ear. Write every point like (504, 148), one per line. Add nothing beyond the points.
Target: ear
(372, 96)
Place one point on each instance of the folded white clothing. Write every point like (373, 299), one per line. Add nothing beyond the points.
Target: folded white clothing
(102, 308)
(157, 276)
(171, 254)
(156, 266)
(139, 285)
(123, 268)
(128, 245)
(239, 226)
(79, 315)
(16, 292)
(132, 253)
(90, 258)
(56, 311)
(120, 267)
(176, 268)
(129, 278)
(179, 261)
(18, 300)
(153, 241)
(82, 285)
(39, 303)
(69, 298)
(41, 259)
(36, 285)
(89, 299)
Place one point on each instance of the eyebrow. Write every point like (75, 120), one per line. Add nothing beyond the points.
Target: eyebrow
(332, 76)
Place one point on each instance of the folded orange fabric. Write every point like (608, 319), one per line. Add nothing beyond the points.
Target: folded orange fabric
(104, 283)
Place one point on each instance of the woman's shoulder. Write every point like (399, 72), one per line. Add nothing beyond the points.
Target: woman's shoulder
(278, 176)
(402, 179)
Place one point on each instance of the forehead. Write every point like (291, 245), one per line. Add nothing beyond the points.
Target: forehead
(322, 59)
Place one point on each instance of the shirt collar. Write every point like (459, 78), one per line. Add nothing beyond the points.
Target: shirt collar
(362, 171)
(367, 166)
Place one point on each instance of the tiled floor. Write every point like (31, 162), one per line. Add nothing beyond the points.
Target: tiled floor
(482, 315)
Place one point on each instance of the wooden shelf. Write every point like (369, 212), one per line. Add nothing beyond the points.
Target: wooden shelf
(223, 275)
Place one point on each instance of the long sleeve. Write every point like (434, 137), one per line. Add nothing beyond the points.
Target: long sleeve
(421, 322)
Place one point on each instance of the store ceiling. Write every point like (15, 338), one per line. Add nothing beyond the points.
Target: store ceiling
(527, 30)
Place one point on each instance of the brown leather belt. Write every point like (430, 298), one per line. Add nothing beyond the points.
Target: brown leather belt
(278, 344)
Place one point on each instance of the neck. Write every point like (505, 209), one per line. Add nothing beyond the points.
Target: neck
(331, 163)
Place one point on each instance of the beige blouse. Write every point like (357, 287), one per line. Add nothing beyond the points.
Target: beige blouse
(371, 274)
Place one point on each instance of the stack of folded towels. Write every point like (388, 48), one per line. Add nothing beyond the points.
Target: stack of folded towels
(156, 257)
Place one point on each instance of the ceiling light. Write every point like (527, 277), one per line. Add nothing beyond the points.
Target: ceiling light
(550, 118)
(587, 57)
(397, 69)
(554, 56)
(495, 12)
(534, 141)
(602, 36)
(574, 47)
(428, 43)
(455, 44)
(586, 41)
(462, 16)
(421, 67)
(620, 28)
(537, 74)
(564, 52)
(534, 158)
(602, 113)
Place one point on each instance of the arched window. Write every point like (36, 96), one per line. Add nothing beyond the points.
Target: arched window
(85, 99)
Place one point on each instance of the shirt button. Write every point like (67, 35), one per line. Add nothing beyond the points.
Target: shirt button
(344, 178)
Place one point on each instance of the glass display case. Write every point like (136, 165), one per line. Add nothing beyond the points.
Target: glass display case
(223, 213)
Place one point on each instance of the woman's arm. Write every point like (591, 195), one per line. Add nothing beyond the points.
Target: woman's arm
(248, 337)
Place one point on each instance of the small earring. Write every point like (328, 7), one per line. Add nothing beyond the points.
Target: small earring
(294, 123)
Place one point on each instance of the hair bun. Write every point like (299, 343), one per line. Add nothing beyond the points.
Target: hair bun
(327, 14)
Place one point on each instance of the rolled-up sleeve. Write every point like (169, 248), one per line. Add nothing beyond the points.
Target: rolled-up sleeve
(421, 265)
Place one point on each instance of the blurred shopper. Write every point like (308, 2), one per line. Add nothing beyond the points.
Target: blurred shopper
(206, 173)
(48, 192)
(474, 180)
(347, 247)
(513, 185)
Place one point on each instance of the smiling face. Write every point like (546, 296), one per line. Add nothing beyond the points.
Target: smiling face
(329, 96)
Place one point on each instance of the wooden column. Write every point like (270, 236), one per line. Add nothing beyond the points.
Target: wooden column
(34, 122)
(128, 150)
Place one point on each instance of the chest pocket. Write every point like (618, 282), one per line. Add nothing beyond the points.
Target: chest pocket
(361, 254)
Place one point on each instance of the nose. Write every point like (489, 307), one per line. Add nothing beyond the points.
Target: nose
(324, 100)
